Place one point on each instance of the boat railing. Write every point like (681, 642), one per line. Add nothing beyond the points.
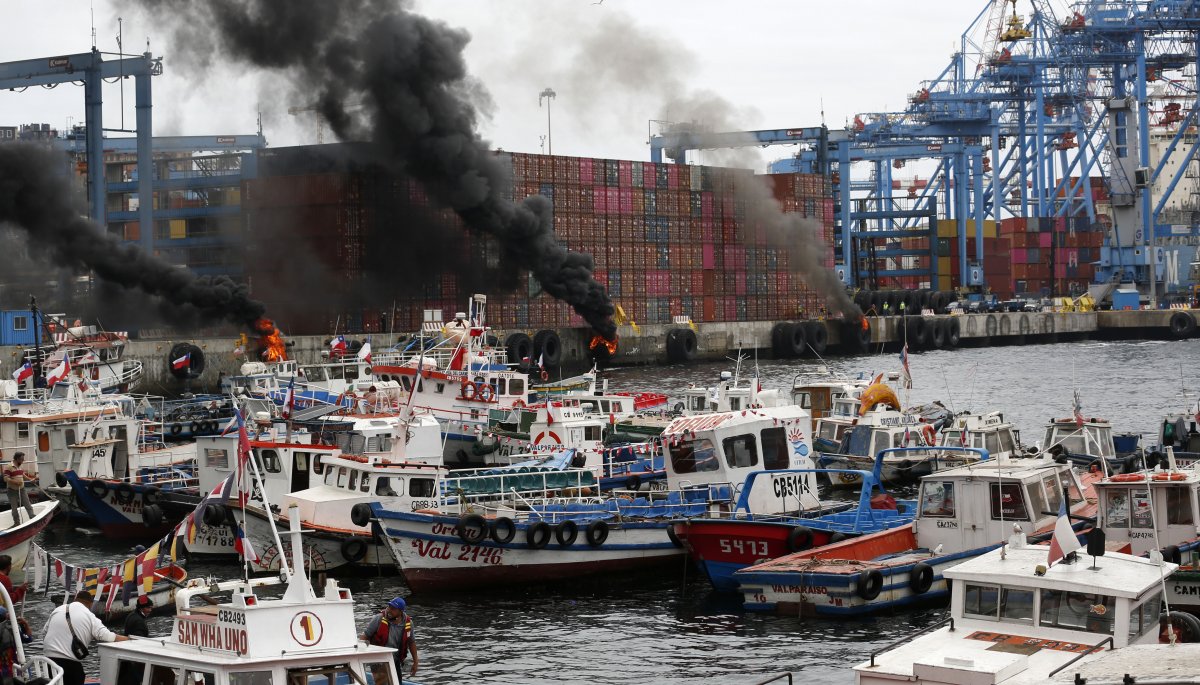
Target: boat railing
(913, 636)
(42, 670)
(1082, 654)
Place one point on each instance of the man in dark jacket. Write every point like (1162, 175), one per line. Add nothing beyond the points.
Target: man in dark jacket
(392, 627)
(135, 623)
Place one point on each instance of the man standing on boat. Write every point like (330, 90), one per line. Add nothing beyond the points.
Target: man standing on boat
(392, 627)
(70, 623)
(15, 477)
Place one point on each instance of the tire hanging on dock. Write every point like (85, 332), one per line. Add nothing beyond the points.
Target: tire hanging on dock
(681, 345)
(818, 337)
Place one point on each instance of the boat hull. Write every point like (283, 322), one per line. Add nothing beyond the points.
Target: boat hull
(15, 542)
(119, 516)
(721, 548)
(432, 556)
(325, 550)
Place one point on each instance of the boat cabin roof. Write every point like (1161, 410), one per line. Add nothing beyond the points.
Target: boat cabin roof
(732, 419)
(1023, 469)
(1123, 575)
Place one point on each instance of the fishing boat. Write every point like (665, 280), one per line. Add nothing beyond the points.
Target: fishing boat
(16, 541)
(545, 525)
(90, 357)
(827, 396)
(962, 513)
(1018, 619)
(1091, 444)
(881, 426)
(299, 637)
(723, 543)
(1178, 430)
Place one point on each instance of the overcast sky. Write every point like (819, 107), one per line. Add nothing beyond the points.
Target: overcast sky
(614, 66)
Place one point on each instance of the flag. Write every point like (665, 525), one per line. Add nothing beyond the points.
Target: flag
(1064, 541)
(289, 400)
(364, 354)
(337, 346)
(904, 363)
(542, 362)
(242, 544)
(89, 358)
(1078, 411)
(24, 371)
(59, 373)
(184, 362)
(128, 580)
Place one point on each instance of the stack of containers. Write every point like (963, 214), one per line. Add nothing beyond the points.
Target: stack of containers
(1053, 255)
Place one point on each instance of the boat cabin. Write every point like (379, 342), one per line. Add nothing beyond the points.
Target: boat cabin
(719, 450)
(284, 466)
(975, 506)
(989, 432)
(730, 394)
(1016, 619)
(1179, 432)
(1133, 505)
(831, 428)
(821, 396)
(350, 479)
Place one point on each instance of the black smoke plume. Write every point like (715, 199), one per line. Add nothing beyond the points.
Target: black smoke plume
(36, 197)
(380, 73)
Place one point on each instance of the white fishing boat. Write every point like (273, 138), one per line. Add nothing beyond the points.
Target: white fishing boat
(1015, 621)
(91, 357)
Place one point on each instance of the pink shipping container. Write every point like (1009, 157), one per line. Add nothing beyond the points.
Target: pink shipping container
(709, 256)
(600, 200)
(585, 171)
(1045, 239)
(625, 173)
(673, 176)
(739, 286)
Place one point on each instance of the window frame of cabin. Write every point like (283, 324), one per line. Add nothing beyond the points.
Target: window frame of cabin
(428, 487)
(251, 677)
(749, 441)
(946, 512)
(996, 505)
(211, 458)
(1054, 610)
(975, 610)
(773, 452)
(1173, 503)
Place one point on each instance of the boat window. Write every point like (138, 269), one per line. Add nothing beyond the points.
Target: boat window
(1008, 502)
(977, 440)
(406, 382)
(353, 479)
(299, 462)
(1071, 442)
(1179, 505)
(43, 441)
(1016, 605)
(857, 441)
(1007, 442)
(827, 430)
(775, 449)
(365, 485)
(937, 499)
(216, 459)
(1116, 511)
(992, 444)
(697, 403)
(163, 675)
(1139, 509)
(735, 403)
(270, 461)
(740, 451)
(804, 399)
(1077, 611)
(694, 456)
(250, 678)
(420, 487)
(592, 433)
(70, 436)
(341, 477)
(383, 486)
(981, 601)
(516, 386)
(322, 675)
(23, 430)
(952, 437)
(351, 373)
(1074, 496)
(1144, 617)
(378, 673)
(196, 677)
(318, 467)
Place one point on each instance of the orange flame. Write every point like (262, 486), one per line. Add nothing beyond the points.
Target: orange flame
(865, 326)
(609, 345)
(270, 341)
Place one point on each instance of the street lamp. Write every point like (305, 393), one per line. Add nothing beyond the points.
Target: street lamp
(548, 94)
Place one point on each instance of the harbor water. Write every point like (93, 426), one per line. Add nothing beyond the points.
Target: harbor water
(669, 627)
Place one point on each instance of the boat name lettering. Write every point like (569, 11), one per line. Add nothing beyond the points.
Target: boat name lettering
(432, 548)
(423, 504)
(134, 506)
(98, 453)
(1186, 589)
(1145, 535)
(697, 423)
(212, 635)
(314, 559)
(898, 421)
(753, 547)
(487, 555)
(227, 616)
(444, 529)
(947, 524)
(792, 485)
(801, 589)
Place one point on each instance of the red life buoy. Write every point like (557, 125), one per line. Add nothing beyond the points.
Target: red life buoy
(519, 404)
(930, 434)
(468, 390)
(1173, 475)
(1128, 477)
(553, 436)
(545, 376)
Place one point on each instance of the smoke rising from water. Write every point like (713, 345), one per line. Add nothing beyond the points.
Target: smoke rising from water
(379, 73)
(36, 197)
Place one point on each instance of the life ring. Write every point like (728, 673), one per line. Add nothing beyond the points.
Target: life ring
(929, 433)
(468, 390)
(544, 376)
(503, 530)
(519, 404)
(551, 434)
(537, 535)
(1170, 475)
(920, 578)
(566, 533)
(472, 528)
(485, 393)
(176, 428)
(596, 533)
(98, 488)
(354, 549)
(870, 584)
(799, 539)
(1128, 477)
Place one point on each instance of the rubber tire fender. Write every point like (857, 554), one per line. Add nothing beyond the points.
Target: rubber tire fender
(215, 515)
(818, 337)
(548, 346)
(566, 532)
(519, 346)
(917, 332)
(674, 538)
(360, 514)
(472, 528)
(1154, 459)
(1182, 324)
(920, 578)
(797, 341)
(538, 534)
(781, 334)
(195, 365)
(1172, 554)
(937, 334)
(150, 495)
(60, 479)
(633, 482)
(176, 428)
(503, 530)
(870, 584)
(953, 333)
(354, 549)
(152, 515)
(596, 533)
(681, 345)
(98, 488)
(1187, 627)
(799, 539)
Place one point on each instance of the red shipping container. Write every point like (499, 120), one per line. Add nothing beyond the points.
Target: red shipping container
(585, 171)
(673, 176)
(599, 200)
(625, 173)
(739, 285)
(613, 202)
(625, 196)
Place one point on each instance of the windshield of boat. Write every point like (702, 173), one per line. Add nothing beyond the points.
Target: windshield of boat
(1086, 611)
(340, 674)
(694, 456)
(937, 499)
(1127, 508)
(1008, 502)
(1093, 440)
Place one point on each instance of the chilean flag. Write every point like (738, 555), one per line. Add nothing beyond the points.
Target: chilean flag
(337, 346)
(184, 362)
(23, 372)
(289, 401)
(59, 373)
(365, 353)
(243, 547)
(1064, 541)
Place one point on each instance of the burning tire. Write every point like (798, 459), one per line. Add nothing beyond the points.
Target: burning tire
(195, 365)
(681, 345)
(855, 337)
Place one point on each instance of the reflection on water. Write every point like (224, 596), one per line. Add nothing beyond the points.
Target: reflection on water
(668, 627)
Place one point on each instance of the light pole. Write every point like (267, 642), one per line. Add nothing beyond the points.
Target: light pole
(548, 94)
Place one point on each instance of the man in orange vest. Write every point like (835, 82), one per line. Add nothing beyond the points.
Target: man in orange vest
(392, 627)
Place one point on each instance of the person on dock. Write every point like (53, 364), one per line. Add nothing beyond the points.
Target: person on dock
(393, 628)
(135, 626)
(8, 644)
(70, 623)
(18, 496)
(15, 593)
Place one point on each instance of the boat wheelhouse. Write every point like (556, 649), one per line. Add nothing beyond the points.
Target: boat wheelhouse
(990, 431)
(1091, 444)
(884, 428)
